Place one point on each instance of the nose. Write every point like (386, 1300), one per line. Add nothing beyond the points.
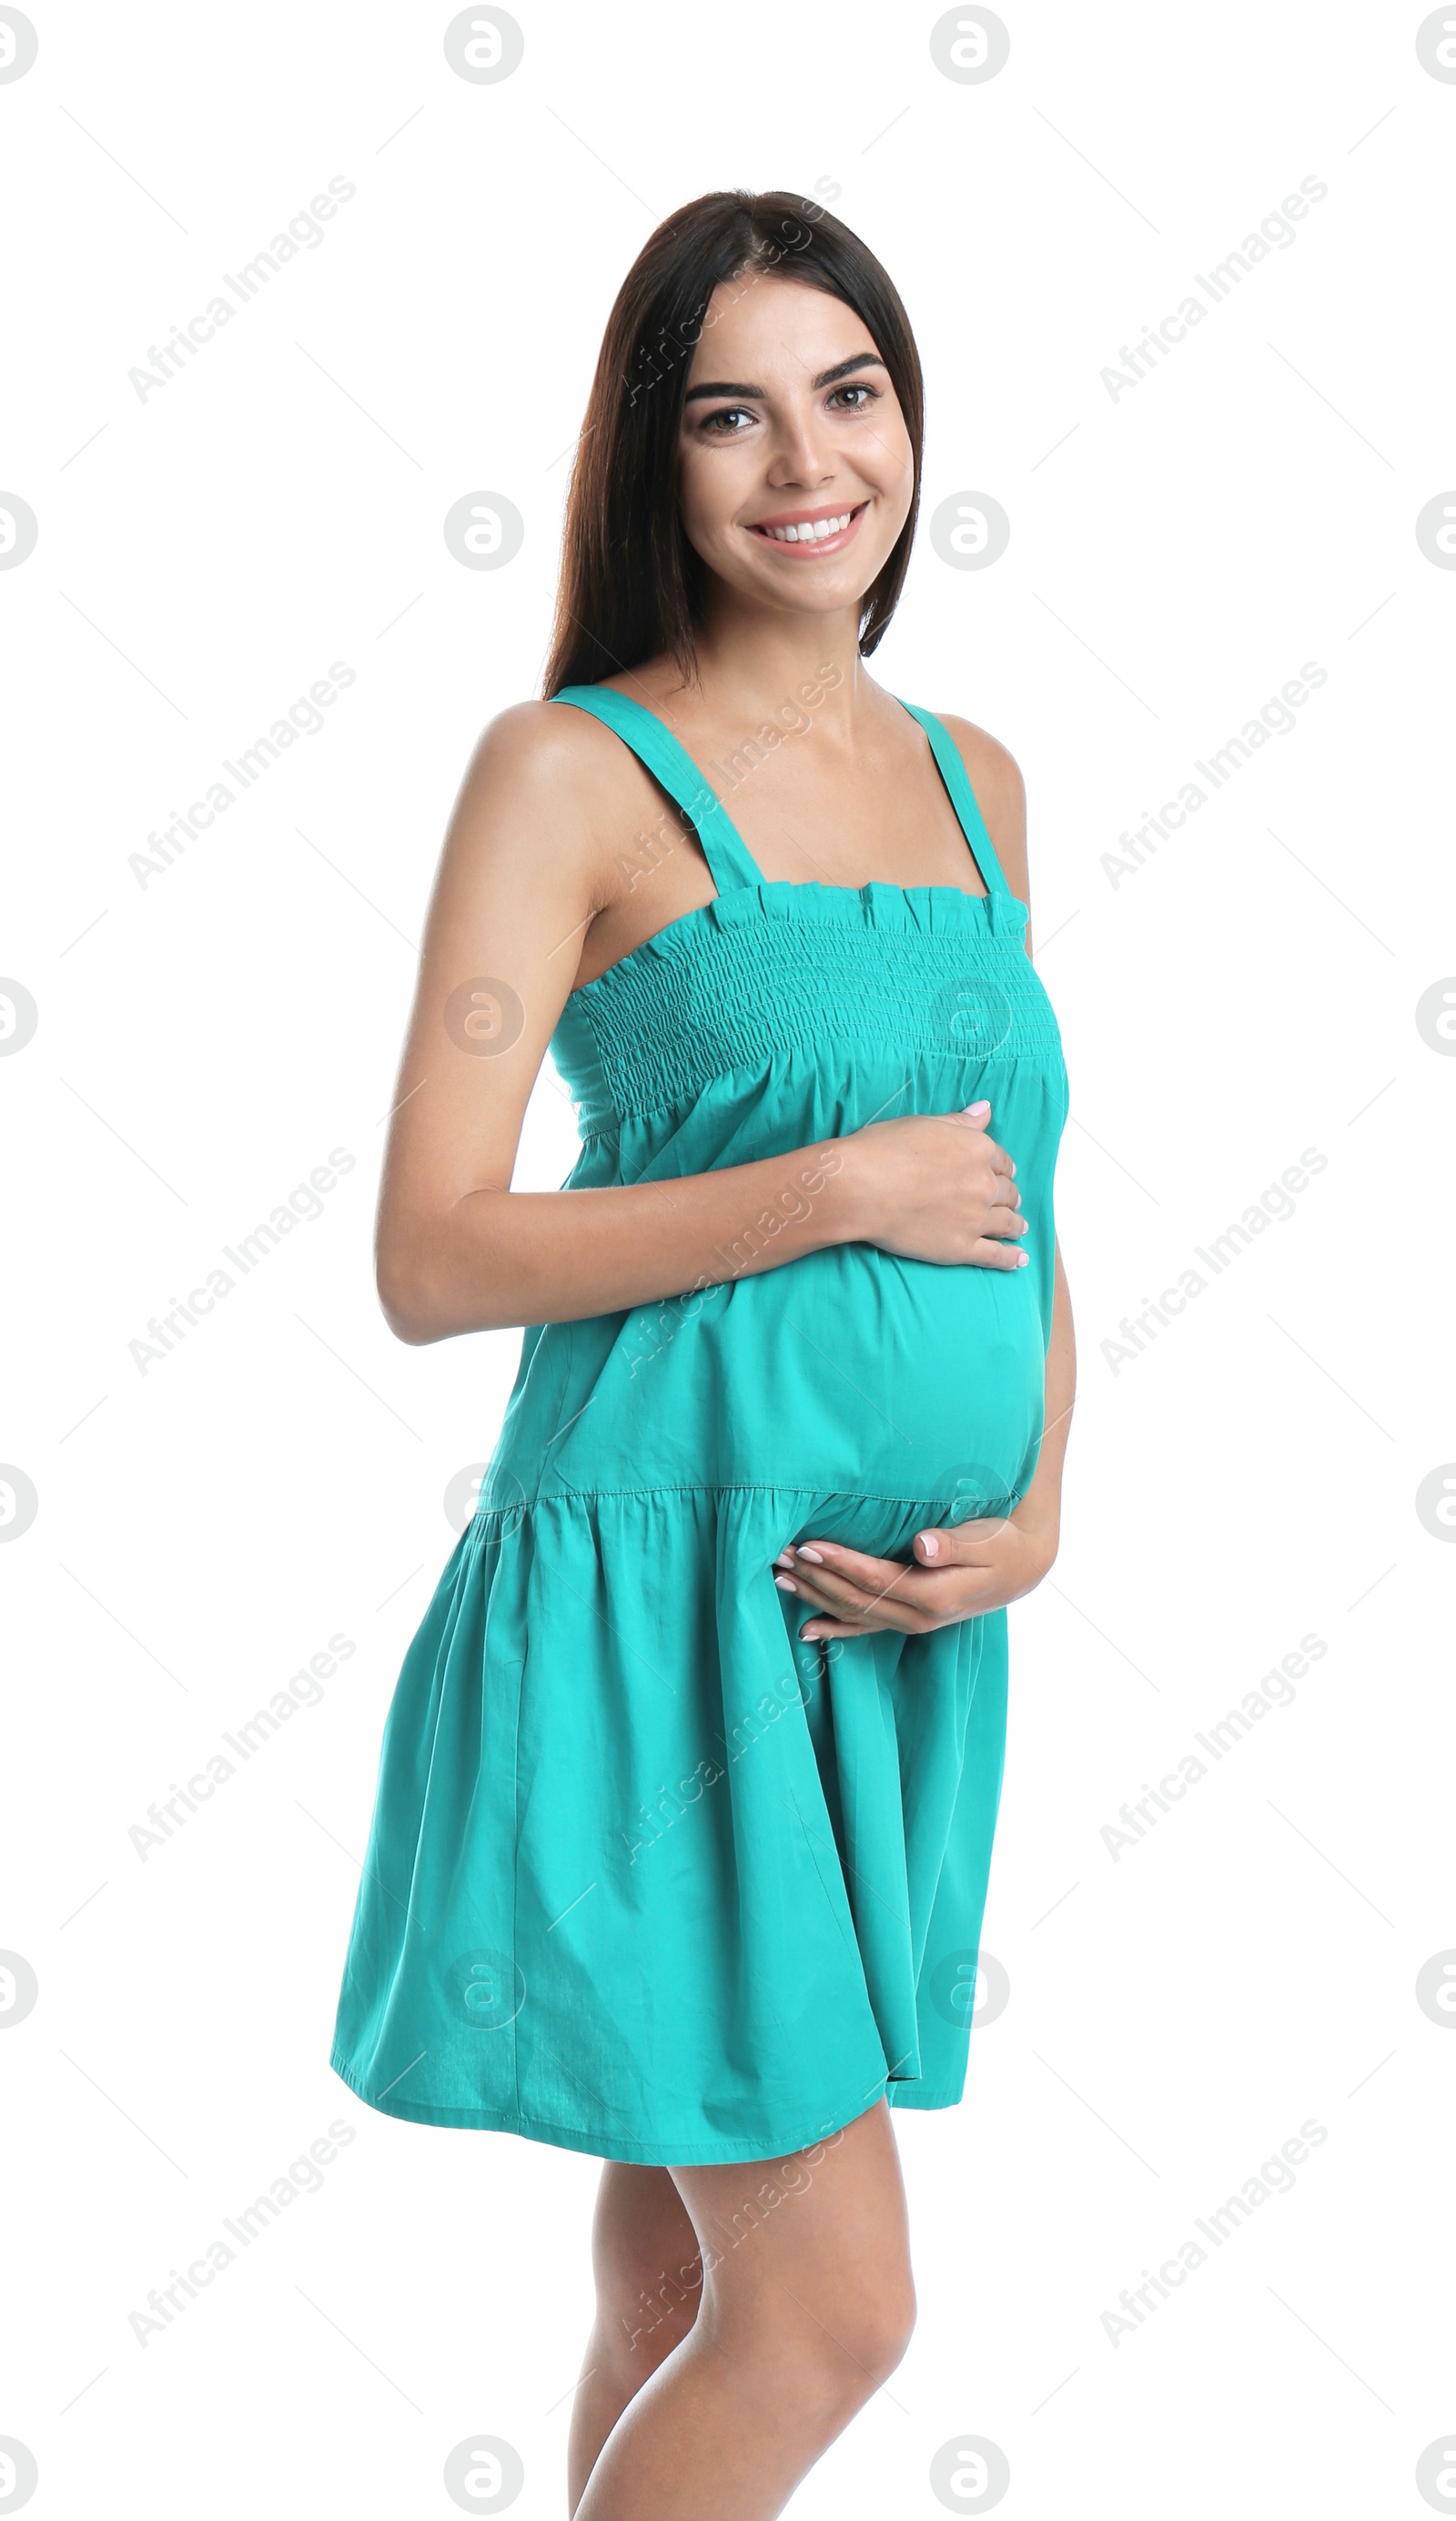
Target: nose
(801, 460)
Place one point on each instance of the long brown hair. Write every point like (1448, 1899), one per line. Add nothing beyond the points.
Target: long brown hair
(631, 586)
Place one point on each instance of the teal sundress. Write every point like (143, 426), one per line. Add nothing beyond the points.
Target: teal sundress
(649, 1876)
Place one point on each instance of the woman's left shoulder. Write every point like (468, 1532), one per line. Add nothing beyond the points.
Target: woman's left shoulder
(1000, 793)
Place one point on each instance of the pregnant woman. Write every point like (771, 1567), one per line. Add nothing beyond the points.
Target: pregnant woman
(689, 1783)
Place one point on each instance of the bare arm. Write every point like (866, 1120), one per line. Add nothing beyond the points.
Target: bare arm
(1002, 797)
(959, 1571)
(1040, 1509)
(527, 868)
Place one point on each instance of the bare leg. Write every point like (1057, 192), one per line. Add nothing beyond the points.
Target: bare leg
(648, 2279)
(806, 2307)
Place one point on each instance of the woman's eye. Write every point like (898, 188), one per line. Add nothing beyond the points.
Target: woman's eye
(734, 420)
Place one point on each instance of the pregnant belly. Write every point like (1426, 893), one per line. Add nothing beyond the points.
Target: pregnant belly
(850, 1369)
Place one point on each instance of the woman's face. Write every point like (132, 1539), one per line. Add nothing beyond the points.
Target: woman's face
(791, 422)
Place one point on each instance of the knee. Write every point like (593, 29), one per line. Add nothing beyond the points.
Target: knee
(647, 2270)
(872, 2329)
(842, 2353)
(645, 2310)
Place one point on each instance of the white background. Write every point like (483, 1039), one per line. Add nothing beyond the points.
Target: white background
(208, 1036)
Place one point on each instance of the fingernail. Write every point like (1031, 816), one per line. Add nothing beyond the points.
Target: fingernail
(1022, 1260)
(808, 1635)
(817, 1555)
(785, 1558)
(977, 1107)
(929, 1543)
(784, 1585)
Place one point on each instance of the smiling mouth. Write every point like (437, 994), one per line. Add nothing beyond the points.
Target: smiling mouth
(824, 529)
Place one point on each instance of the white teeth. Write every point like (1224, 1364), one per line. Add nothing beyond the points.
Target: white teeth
(818, 532)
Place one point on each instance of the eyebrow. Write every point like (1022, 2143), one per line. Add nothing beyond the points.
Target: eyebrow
(756, 394)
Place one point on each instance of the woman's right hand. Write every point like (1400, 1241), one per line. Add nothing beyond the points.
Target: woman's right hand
(936, 1187)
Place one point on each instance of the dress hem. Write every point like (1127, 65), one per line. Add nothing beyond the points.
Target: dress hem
(653, 2155)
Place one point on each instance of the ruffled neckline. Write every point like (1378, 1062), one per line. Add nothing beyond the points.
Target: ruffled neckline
(925, 909)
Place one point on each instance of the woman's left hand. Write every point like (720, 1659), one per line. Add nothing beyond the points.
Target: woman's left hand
(959, 1571)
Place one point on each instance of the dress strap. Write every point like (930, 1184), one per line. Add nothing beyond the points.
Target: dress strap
(728, 860)
(952, 770)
